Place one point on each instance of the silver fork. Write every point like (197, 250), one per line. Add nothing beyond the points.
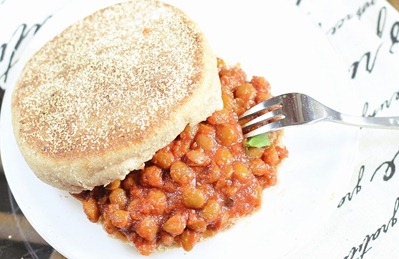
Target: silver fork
(293, 109)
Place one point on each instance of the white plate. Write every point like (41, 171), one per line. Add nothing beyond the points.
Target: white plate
(269, 39)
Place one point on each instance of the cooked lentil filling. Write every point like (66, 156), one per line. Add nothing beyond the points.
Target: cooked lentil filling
(197, 185)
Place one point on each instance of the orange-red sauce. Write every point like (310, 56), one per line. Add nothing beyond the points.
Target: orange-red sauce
(198, 184)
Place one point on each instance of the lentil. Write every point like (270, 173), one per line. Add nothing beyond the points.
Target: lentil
(197, 185)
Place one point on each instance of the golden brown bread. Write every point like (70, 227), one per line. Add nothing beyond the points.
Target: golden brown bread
(104, 95)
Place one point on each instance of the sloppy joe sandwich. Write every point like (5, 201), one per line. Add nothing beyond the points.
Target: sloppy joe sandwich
(130, 111)
(103, 96)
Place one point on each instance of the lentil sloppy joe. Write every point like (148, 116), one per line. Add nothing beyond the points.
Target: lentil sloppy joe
(131, 112)
(101, 97)
(197, 185)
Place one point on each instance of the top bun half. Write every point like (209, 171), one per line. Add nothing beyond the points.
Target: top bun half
(99, 99)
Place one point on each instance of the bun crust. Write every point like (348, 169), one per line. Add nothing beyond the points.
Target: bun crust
(103, 96)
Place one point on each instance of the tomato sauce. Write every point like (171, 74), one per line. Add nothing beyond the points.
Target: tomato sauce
(197, 185)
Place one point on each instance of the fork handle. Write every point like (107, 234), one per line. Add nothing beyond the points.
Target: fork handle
(369, 122)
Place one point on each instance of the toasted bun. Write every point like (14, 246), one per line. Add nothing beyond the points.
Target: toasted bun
(103, 96)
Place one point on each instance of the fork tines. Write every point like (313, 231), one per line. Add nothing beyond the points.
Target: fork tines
(264, 117)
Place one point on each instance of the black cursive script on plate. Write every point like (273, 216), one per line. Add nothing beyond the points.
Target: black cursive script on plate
(394, 31)
(360, 250)
(10, 49)
(370, 57)
(387, 168)
(359, 13)
(390, 169)
(356, 189)
(383, 106)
